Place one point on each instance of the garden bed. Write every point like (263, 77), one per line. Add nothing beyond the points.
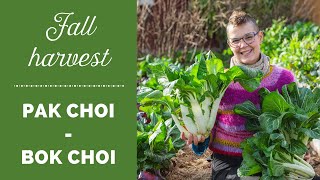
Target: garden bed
(189, 166)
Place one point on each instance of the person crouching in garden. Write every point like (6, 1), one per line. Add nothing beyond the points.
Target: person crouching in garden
(244, 39)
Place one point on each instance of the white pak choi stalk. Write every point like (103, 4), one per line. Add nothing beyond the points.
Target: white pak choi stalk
(189, 123)
(199, 119)
(213, 113)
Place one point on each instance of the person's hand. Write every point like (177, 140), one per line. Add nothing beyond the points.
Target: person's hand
(192, 138)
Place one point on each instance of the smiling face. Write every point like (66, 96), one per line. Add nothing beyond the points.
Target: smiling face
(246, 53)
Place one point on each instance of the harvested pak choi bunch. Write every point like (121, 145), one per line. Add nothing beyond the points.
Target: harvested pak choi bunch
(283, 126)
(192, 95)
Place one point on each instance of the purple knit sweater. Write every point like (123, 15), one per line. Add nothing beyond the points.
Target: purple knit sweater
(229, 130)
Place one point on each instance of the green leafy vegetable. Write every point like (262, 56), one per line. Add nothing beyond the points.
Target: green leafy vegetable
(284, 126)
(193, 95)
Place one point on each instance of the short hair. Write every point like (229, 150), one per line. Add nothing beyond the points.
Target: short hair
(240, 17)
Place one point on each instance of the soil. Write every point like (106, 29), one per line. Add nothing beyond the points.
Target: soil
(188, 166)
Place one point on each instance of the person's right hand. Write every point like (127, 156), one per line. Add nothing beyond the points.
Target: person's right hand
(192, 139)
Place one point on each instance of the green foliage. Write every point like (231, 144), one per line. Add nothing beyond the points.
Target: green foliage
(145, 66)
(295, 47)
(283, 127)
(193, 94)
(157, 143)
(157, 140)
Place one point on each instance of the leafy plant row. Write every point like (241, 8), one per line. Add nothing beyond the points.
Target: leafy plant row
(295, 47)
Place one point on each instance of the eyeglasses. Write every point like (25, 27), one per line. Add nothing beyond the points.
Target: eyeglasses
(247, 38)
